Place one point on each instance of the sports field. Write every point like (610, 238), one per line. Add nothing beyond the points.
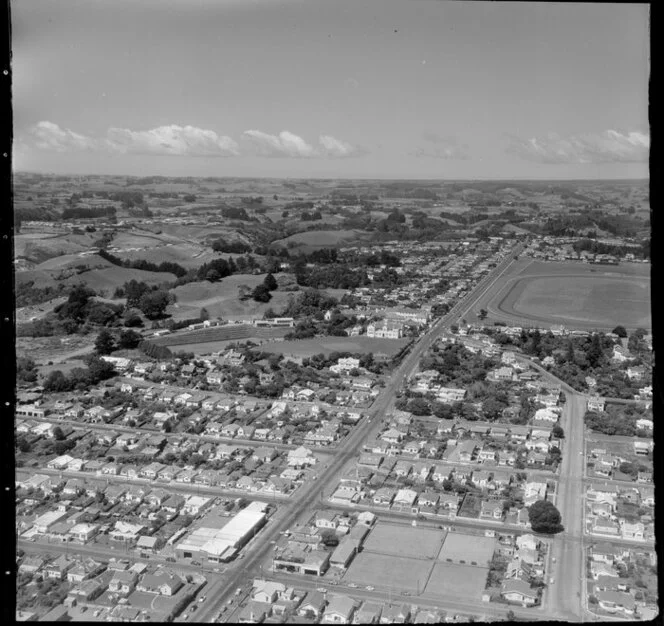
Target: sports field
(419, 543)
(386, 571)
(578, 295)
(603, 301)
(457, 580)
(326, 345)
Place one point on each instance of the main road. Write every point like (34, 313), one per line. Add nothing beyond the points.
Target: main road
(308, 494)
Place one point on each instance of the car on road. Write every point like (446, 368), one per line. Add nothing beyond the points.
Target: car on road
(554, 559)
(369, 588)
(202, 598)
(238, 591)
(552, 580)
(352, 585)
(321, 589)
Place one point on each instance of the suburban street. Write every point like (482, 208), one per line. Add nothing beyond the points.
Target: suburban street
(305, 499)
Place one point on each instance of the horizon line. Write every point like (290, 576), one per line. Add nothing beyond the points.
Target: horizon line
(396, 178)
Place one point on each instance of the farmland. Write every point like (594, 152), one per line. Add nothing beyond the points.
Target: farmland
(327, 345)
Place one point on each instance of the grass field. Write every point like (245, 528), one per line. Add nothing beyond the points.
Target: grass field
(385, 571)
(320, 238)
(604, 301)
(465, 581)
(405, 541)
(576, 294)
(326, 345)
(222, 299)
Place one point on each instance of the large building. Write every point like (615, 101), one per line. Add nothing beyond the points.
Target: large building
(220, 544)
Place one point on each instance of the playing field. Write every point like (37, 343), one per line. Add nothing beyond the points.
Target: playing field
(457, 580)
(326, 345)
(604, 301)
(397, 540)
(386, 571)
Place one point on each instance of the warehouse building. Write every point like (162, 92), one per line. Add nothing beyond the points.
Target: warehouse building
(219, 541)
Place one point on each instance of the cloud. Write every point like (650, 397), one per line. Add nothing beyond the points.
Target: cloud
(333, 147)
(171, 140)
(283, 144)
(287, 144)
(188, 141)
(49, 136)
(442, 148)
(607, 147)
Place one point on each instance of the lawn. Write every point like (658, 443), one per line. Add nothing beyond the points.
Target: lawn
(465, 581)
(326, 345)
(385, 571)
(404, 541)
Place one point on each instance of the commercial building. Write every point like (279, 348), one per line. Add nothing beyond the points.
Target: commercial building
(220, 544)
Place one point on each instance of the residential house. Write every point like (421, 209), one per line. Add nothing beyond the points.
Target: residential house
(339, 610)
(518, 591)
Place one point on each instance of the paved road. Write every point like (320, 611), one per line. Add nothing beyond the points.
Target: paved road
(452, 605)
(328, 478)
(186, 488)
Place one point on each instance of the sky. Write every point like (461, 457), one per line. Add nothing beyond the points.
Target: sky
(331, 88)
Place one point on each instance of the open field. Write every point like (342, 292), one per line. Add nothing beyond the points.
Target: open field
(457, 580)
(101, 277)
(326, 345)
(385, 571)
(222, 300)
(575, 294)
(320, 238)
(604, 302)
(469, 548)
(404, 541)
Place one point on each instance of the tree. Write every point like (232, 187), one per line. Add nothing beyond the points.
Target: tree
(621, 331)
(261, 293)
(212, 276)
(270, 282)
(545, 517)
(104, 344)
(558, 431)
(482, 314)
(129, 339)
(58, 435)
(153, 304)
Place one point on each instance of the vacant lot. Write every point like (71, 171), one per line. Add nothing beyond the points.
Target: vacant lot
(466, 581)
(326, 345)
(385, 571)
(405, 541)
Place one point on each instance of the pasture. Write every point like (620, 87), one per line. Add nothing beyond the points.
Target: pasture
(320, 238)
(327, 345)
(221, 299)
